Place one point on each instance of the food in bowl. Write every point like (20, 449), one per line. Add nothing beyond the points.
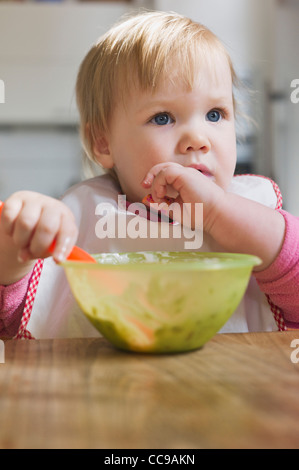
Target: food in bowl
(160, 302)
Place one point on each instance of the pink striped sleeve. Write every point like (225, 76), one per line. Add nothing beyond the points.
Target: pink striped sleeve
(12, 301)
(280, 281)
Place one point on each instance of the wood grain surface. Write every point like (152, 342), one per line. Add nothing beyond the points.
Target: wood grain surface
(238, 391)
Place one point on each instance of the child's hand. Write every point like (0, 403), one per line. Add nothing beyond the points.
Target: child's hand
(185, 185)
(30, 222)
(236, 223)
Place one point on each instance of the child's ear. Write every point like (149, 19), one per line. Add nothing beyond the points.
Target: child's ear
(102, 152)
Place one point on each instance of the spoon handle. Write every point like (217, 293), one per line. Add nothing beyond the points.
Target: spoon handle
(77, 254)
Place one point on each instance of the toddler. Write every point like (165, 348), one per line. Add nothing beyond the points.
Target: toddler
(157, 111)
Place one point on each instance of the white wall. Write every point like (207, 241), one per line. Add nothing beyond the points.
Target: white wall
(41, 48)
(46, 160)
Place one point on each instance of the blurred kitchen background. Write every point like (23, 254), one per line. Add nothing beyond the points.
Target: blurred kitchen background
(43, 42)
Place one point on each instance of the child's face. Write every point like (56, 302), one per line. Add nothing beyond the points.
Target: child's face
(192, 128)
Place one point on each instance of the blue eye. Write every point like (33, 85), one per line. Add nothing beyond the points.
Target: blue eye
(213, 115)
(161, 119)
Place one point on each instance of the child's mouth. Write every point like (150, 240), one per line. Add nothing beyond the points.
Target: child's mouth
(205, 173)
(202, 169)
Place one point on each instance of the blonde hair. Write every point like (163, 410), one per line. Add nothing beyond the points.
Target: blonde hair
(140, 51)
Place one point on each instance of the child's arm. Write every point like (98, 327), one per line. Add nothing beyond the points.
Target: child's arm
(236, 223)
(283, 289)
(28, 225)
(12, 303)
(246, 226)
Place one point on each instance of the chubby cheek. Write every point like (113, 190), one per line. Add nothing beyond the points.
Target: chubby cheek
(226, 170)
(131, 175)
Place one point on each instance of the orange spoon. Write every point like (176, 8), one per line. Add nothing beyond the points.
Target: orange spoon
(77, 254)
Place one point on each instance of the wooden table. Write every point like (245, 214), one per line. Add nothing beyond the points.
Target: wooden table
(238, 391)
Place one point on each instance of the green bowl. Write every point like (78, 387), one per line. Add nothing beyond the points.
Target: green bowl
(160, 302)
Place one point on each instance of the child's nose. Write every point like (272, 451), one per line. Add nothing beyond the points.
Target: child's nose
(193, 141)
